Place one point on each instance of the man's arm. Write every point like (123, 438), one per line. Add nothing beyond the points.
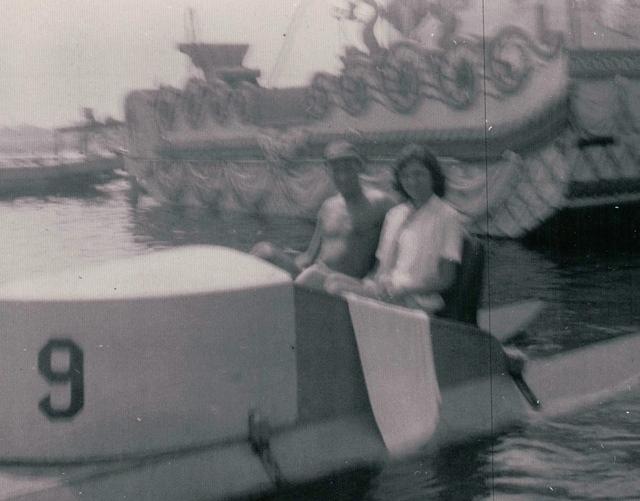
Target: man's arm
(306, 258)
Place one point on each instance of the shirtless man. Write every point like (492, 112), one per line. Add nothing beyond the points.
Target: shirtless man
(348, 226)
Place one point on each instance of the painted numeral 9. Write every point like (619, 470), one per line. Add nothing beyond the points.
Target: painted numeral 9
(73, 375)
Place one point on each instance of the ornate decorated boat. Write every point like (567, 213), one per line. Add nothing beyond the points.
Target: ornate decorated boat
(533, 107)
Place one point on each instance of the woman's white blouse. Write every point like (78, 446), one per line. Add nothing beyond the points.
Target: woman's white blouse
(412, 242)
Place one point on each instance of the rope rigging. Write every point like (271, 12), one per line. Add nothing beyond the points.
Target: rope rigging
(287, 44)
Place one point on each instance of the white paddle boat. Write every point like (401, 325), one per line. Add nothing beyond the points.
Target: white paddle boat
(205, 373)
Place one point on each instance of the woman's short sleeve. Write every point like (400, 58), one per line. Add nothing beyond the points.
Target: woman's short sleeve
(452, 236)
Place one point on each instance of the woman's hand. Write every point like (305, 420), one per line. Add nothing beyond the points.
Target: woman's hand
(333, 284)
(371, 288)
(387, 290)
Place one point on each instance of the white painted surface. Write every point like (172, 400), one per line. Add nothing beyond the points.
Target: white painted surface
(397, 361)
(177, 272)
(162, 367)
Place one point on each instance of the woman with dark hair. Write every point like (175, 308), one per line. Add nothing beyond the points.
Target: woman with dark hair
(415, 153)
(420, 243)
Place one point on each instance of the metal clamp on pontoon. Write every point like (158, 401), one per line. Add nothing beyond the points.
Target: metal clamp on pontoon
(260, 439)
(516, 361)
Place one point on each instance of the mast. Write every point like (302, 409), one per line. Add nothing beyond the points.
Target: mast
(191, 34)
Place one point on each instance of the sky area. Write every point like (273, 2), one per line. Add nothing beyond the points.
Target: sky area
(57, 56)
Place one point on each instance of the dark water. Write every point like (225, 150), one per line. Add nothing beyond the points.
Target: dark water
(592, 454)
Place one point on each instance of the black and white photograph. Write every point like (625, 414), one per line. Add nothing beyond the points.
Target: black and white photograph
(323, 250)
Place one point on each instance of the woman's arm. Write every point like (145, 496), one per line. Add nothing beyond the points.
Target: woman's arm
(449, 244)
(446, 275)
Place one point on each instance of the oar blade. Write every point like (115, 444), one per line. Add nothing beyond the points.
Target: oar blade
(585, 376)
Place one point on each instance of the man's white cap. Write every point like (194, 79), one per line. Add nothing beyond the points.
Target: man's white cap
(338, 150)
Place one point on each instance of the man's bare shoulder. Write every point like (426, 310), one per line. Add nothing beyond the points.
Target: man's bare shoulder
(332, 202)
(380, 199)
(331, 205)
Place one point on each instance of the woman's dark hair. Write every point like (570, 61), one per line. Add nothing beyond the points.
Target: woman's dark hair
(423, 156)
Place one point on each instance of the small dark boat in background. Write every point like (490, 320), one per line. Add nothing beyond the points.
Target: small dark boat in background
(71, 158)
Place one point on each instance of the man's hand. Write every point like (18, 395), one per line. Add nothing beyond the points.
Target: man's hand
(302, 261)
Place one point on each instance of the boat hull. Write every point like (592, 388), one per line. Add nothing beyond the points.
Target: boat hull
(53, 176)
(563, 100)
(257, 347)
(160, 337)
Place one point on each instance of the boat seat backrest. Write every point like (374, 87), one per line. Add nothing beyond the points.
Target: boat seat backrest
(462, 299)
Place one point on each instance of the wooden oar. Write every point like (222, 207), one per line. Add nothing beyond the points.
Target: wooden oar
(506, 321)
(568, 381)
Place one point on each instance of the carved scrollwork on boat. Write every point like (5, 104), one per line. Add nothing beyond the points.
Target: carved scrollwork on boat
(456, 77)
(165, 106)
(355, 89)
(551, 42)
(283, 150)
(401, 77)
(194, 102)
(219, 101)
(406, 73)
(169, 177)
(508, 61)
(318, 95)
(245, 102)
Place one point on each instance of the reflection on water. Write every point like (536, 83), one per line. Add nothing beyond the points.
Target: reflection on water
(589, 299)
(166, 226)
(591, 455)
(39, 235)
